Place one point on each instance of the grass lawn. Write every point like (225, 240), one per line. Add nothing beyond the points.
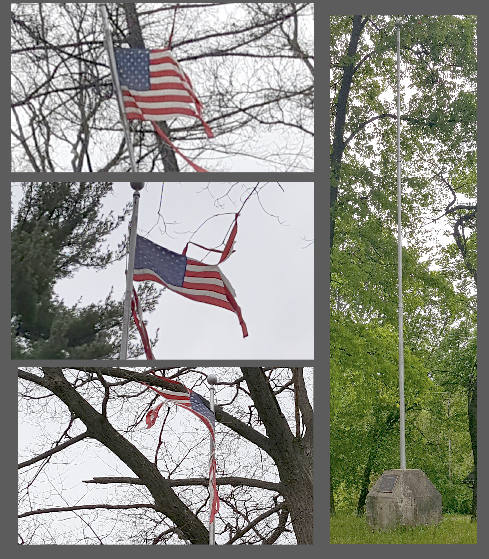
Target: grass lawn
(454, 528)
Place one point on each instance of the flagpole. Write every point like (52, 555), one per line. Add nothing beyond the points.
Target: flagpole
(212, 379)
(136, 186)
(402, 441)
(115, 80)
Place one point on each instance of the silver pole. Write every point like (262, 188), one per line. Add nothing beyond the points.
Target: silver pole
(136, 186)
(117, 86)
(399, 259)
(212, 379)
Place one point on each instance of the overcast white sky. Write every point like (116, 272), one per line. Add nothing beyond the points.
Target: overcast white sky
(271, 270)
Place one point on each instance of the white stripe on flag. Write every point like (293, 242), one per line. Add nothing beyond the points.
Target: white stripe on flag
(208, 281)
(199, 292)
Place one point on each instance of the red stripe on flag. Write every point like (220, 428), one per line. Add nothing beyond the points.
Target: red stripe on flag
(138, 320)
(209, 300)
(221, 289)
(213, 489)
(174, 147)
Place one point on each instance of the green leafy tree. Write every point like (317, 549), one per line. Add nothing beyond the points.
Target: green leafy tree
(438, 154)
(364, 399)
(456, 372)
(364, 432)
(439, 120)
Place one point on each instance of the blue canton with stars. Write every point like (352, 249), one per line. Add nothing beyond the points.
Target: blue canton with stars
(198, 406)
(167, 264)
(133, 68)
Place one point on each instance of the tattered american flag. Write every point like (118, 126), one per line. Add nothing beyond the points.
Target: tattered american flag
(190, 278)
(194, 403)
(154, 86)
(137, 315)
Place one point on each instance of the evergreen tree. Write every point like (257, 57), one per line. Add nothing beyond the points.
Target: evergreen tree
(58, 230)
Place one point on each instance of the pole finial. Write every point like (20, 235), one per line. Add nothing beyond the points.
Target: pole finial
(137, 185)
(212, 379)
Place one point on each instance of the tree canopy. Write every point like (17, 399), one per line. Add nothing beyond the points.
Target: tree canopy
(439, 245)
(85, 428)
(251, 64)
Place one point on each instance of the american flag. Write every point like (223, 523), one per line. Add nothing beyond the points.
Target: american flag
(213, 487)
(190, 401)
(137, 315)
(154, 86)
(194, 403)
(190, 278)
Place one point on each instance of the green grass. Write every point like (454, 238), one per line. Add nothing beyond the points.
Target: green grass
(454, 528)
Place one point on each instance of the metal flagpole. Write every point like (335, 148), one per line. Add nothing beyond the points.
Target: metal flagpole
(399, 260)
(117, 86)
(136, 186)
(211, 379)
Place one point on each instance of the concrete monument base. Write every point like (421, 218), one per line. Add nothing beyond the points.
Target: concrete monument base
(403, 498)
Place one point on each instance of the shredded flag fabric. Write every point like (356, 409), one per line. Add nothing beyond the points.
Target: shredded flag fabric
(162, 135)
(190, 401)
(138, 320)
(228, 249)
(155, 87)
(190, 278)
(194, 403)
(213, 488)
(152, 416)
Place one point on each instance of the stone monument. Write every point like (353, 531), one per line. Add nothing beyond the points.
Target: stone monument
(403, 498)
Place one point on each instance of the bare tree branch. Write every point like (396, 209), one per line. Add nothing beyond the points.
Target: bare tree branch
(289, 455)
(280, 529)
(256, 521)
(233, 481)
(86, 507)
(54, 450)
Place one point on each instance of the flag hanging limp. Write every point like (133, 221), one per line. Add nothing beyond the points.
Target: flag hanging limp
(194, 403)
(192, 279)
(189, 400)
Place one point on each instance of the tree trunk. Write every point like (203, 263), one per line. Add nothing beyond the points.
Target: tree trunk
(135, 40)
(462, 243)
(298, 493)
(331, 500)
(292, 456)
(472, 413)
(338, 141)
(362, 499)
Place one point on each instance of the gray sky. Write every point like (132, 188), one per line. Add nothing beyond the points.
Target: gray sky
(271, 270)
